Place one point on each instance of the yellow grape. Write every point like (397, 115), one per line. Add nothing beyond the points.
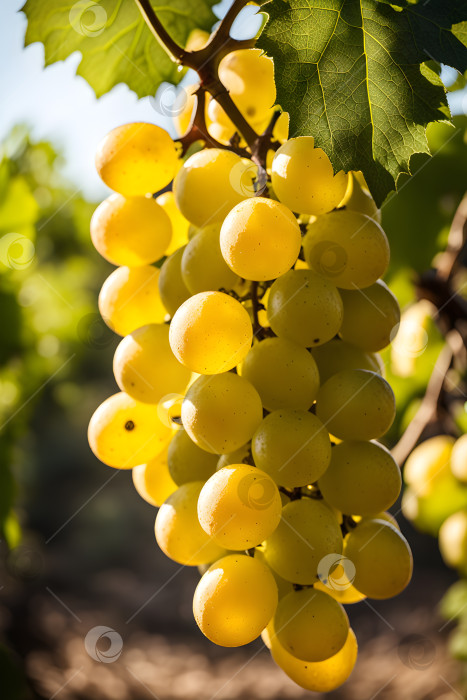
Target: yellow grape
(236, 457)
(382, 558)
(308, 531)
(319, 676)
(453, 541)
(145, 367)
(428, 464)
(130, 230)
(356, 404)
(260, 239)
(152, 480)
(283, 587)
(337, 355)
(337, 582)
(221, 413)
(248, 75)
(459, 459)
(180, 225)
(293, 447)
(172, 288)
(197, 39)
(178, 532)
(303, 178)
(210, 333)
(358, 198)
(283, 373)
(348, 248)
(362, 478)
(234, 600)
(130, 298)
(187, 461)
(412, 338)
(136, 159)
(239, 506)
(371, 316)
(184, 106)
(304, 308)
(203, 267)
(210, 183)
(124, 433)
(311, 625)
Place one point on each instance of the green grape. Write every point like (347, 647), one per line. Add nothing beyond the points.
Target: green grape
(453, 541)
(293, 447)
(178, 532)
(283, 587)
(152, 481)
(136, 159)
(222, 412)
(311, 625)
(348, 248)
(283, 373)
(235, 457)
(337, 355)
(459, 459)
(304, 308)
(130, 230)
(123, 433)
(172, 288)
(371, 316)
(358, 198)
(428, 464)
(235, 599)
(180, 225)
(356, 405)
(260, 239)
(239, 506)
(130, 298)
(382, 559)
(187, 461)
(210, 333)
(319, 676)
(203, 267)
(210, 183)
(362, 478)
(303, 178)
(136, 370)
(308, 531)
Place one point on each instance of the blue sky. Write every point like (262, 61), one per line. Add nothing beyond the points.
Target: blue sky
(61, 107)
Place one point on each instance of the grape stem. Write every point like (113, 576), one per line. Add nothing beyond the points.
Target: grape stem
(205, 61)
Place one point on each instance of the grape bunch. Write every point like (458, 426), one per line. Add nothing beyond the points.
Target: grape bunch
(252, 392)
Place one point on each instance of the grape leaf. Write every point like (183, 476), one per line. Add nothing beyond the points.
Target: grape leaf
(355, 75)
(114, 41)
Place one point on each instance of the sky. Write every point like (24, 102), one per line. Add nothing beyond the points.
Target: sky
(59, 106)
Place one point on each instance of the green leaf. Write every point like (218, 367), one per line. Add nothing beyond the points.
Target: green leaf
(114, 41)
(353, 74)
